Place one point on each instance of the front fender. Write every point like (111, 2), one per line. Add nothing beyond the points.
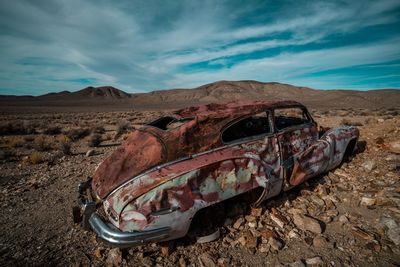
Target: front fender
(324, 155)
(340, 138)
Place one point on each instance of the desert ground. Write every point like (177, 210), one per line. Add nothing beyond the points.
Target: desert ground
(44, 155)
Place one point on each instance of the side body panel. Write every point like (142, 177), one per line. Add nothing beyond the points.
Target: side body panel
(173, 194)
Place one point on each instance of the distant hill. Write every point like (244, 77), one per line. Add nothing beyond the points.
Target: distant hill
(103, 92)
(222, 91)
(110, 98)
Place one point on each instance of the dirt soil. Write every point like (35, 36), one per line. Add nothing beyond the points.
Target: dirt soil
(354, 213)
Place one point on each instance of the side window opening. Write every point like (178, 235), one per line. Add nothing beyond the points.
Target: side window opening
(251, 126)
(288, 117)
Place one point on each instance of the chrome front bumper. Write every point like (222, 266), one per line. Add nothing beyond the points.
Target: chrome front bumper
(107, 232)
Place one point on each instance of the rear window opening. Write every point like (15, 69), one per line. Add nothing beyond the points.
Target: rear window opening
(168, 122)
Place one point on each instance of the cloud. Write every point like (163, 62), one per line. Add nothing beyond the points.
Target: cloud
(297, 68)
(64, 45)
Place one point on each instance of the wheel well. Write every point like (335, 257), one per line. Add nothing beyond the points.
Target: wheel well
(349, 149)
(207, 218)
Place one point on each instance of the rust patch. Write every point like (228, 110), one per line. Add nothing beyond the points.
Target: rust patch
(151, 146)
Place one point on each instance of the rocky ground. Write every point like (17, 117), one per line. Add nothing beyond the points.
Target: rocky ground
(348, 217)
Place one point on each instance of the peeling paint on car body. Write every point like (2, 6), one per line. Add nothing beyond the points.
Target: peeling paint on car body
(190, 167)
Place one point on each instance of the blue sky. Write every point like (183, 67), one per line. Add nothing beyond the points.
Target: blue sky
(140, 46)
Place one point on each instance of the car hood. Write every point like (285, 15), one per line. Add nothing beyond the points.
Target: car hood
(140, 151)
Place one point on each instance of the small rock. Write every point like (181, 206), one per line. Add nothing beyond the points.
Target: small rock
(307, 223)
(343, 219)
(361, 233)
(238, 223)
(223, 262)
(320, 242)
(182, 262)
(248, 240)
(263, 248)
(252, 224)
(379, 140)
(206, 260)
(293, 234)
(314, 261)
(250, 218)
(317, 200)
(90, 152)
(387, 222)
(308, 240)
(294, 211)
(298, 263)
(166, 248)
(114, 257)
(373, 245)
(267, 233)
(278, 219)
(394, 235)
(256, 212)
(395, 146)
(367, 201)
(392, 229)
(228, 222)
(393, 157)
(98, 252)
(369, 165)
(251, 241)
(275, 243)
(242, 240)
(147, 262)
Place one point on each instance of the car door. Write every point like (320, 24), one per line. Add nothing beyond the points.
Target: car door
(296, 132)
(254, 137)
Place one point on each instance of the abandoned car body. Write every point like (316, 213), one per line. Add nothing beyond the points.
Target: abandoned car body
(152, 186)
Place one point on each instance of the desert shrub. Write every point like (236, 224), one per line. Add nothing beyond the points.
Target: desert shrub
(8, 155)
(348, 122)
(35, 158)
(108, 137)
(64, 144)
(94, 140)
(16, 141)
(42, 143)
(29, 138)
(77, 133)
(122, 127)
(17, 127)
(381, 112)
(52, 130)
(29, 127)
(98, 129)
(393, 112)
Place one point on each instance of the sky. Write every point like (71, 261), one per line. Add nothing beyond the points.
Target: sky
(140, 46)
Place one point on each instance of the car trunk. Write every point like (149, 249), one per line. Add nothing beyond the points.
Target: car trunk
(139, 152)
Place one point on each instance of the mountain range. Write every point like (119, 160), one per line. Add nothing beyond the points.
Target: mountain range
(220, 91)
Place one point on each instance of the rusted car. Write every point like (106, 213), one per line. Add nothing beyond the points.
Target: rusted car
(151, 187)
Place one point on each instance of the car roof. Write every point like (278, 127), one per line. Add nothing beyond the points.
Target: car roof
(239, 108)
